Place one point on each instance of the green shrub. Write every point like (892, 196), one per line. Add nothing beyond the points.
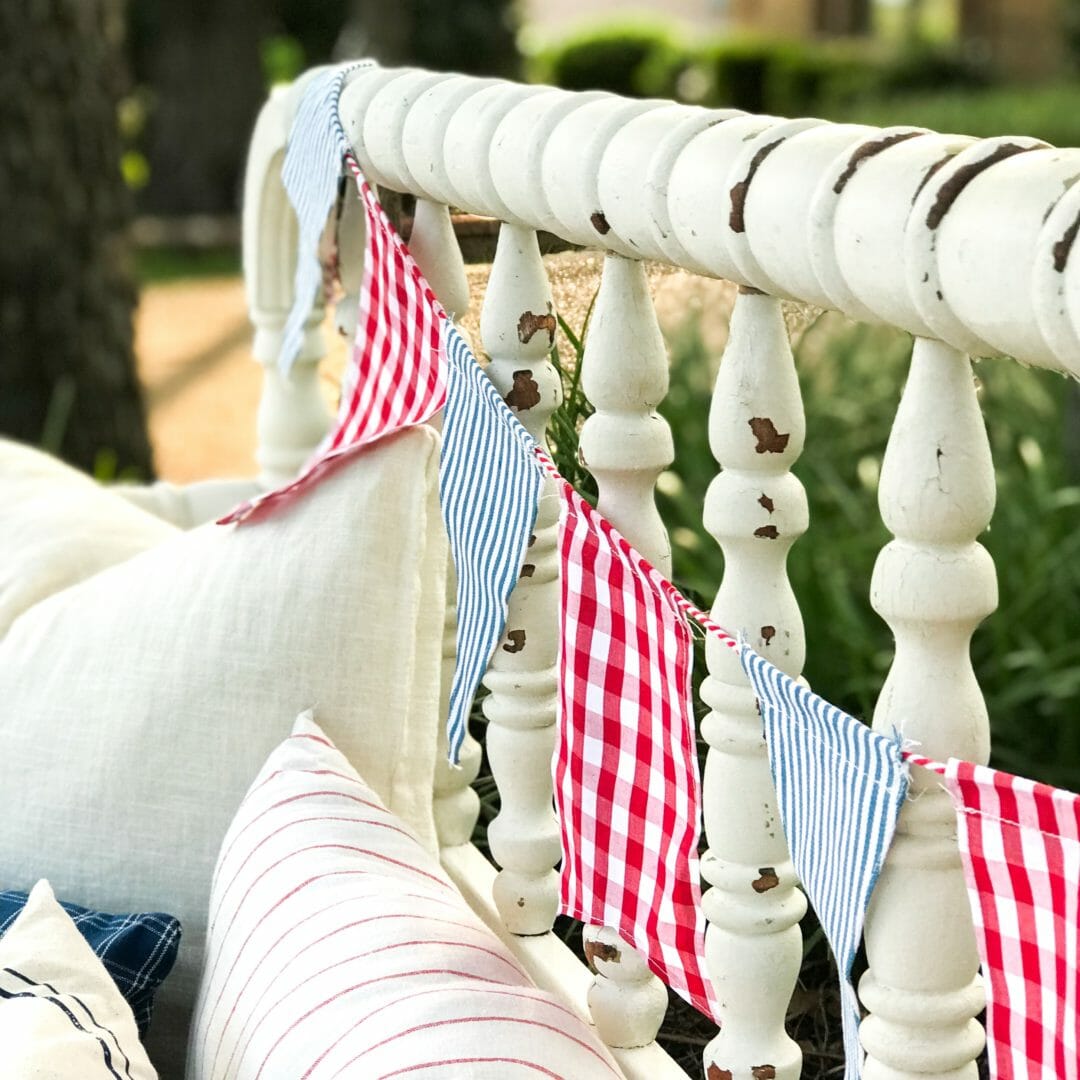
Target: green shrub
(1050, 112)
(633, 59)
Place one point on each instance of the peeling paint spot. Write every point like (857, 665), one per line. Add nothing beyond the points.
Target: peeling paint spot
(517, 641)
(769, 440)
(768, 633)
(950, 191)
(597, 950)
(716, 1073)
(766, 503)
(1062, 248)
(737, 217)
(600, 223)
(767, 532)
(528, 569)
(930, 173)
(868, 150)
(530, 322)
(525, 392)
(767, 881)
(763, 1072)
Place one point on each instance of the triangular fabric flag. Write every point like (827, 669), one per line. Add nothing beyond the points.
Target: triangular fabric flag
(626, 772)
(839, 787)
(396, 375)
(310, 173)
(1020, 844)
(489, 485)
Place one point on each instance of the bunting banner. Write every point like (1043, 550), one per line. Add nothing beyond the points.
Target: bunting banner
(839, 787)
(1020, 844)
(489, 486)
(313, 155)
(396, 376)
(626, 772)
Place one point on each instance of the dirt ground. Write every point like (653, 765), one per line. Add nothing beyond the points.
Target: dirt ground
(192, 340)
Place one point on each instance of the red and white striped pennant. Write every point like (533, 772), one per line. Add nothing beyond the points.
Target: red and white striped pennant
(626, 775)
(396, 376)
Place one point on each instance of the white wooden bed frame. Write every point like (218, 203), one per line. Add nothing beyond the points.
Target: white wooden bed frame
(968, 244)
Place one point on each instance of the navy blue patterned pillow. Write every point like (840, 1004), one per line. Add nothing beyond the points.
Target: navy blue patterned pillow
(138, 951)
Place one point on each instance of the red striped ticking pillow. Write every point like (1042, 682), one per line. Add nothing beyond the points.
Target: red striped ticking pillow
(339, 948)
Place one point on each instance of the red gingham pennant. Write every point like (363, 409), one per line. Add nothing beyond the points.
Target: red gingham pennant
(626, 776)
(1020, 843)
(395, 378)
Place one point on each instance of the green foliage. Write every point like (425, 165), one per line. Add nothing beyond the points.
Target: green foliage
(753, 73)
(1026, 655)
(637, 59)
(282, 57)
(1050, 112)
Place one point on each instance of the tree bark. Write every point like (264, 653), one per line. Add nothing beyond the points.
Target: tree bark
(67, 376)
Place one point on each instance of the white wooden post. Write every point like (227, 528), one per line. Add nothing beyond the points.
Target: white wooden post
(517, 325)
(756, 509)
(626, 444)
(292, 416)
(457, 806)
(933, 585)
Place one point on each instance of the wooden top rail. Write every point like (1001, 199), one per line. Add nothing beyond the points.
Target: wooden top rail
(971, 241)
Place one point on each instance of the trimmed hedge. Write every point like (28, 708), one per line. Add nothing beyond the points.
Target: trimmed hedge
(757, 74)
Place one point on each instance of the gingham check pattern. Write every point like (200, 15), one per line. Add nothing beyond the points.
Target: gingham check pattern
(489, 486)
(626, 778)
(839, 789)
(1020, 843)
(396, 377)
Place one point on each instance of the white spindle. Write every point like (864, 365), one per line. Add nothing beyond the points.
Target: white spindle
(517, 326)
(626, 444)
(756, 509)
(456, 806)
(933, 585)
(292, 416)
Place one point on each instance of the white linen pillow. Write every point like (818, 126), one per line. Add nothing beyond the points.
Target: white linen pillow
(61, 1016)
(338, 947)
(58, 527)
(136, 706)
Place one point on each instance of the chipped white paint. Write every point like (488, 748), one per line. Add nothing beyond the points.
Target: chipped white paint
(972, 243)
(756, 509)
(626, 444)
(517, 325)
(933, 585)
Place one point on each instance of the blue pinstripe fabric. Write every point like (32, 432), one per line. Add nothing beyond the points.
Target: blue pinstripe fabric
(489, 483)
(313, 165)
(840, 787)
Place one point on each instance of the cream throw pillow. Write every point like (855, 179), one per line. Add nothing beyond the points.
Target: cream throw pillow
(136, 707)
(61, 1015)
(59, 527)
(338, 947)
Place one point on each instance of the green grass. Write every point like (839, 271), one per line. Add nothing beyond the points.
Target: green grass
(1050, 111)
(160, 264)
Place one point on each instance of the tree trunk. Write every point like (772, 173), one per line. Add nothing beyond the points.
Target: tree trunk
(67, 377)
